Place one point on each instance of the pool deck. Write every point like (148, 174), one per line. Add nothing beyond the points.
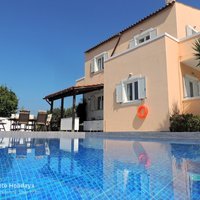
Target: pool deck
(42, 134)
(180, 137)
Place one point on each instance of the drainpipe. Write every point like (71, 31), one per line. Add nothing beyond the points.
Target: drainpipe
(119, 37)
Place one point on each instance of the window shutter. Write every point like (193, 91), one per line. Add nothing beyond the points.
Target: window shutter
(199, 88)
(196, 88)
(132, 44)
(105, 56)
(187, 87)
(92, 66)
(119, 94)
(190, 31)
(153, 33)
(142, 88)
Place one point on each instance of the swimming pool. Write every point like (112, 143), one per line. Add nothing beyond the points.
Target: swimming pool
(98, 168)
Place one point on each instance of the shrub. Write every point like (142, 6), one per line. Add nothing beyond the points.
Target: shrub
(56, 117)
(184, 123)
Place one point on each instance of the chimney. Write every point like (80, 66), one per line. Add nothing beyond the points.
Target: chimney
(169, 1)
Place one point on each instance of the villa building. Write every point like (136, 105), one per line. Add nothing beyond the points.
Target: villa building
(150, 63)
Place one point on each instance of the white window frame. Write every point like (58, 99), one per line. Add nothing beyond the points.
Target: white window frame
(125, 84)
(190, 31)
(187, 79)
(94, 66)
(100, 65)
(152, 33)
(121, 90)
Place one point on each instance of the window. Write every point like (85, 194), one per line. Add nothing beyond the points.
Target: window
(190, 31)
(100, 103)
(97, 63)
(143, 37)
(131, 90)
(100, 63)
(192, 86)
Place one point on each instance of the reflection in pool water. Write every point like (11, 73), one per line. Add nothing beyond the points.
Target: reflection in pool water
(94, 168)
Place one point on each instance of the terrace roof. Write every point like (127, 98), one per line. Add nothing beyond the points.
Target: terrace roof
(74, 90)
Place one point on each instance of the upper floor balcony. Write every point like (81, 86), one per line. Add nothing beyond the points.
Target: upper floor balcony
(187, 52)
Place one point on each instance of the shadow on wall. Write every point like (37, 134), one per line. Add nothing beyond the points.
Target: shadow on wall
(165, 125)
(191, 106)
(137, 122)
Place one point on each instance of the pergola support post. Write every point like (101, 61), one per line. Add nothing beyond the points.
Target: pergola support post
(51, 111)
(73, 112)
(62, 108)
(51, 108)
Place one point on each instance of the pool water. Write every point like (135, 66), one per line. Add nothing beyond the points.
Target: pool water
(97, 168)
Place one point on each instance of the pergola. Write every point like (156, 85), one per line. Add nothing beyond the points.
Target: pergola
(71, 91)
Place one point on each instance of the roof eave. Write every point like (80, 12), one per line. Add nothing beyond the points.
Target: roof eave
(74, 90)
(133, 25)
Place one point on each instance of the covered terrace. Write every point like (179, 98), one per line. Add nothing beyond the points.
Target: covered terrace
(71, 91)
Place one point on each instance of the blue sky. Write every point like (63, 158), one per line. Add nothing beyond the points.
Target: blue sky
(42, 42)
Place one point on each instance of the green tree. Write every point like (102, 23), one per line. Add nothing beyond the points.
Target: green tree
(81, 111)
(196, 48)
(8, 102)
(56, 117)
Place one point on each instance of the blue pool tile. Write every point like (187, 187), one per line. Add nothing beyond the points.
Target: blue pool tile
(99, 169)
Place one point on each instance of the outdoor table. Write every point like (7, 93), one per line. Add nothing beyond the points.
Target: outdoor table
(14, 123)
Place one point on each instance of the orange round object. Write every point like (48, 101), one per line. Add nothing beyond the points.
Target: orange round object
(142, 112)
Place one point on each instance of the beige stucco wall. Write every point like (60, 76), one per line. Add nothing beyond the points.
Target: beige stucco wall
(186, 15)
(150, 61)
(165, 21)
(187, 70)
(172, 20)
(173, 75)
(186, 50)
(191, 106)
(91, 79)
